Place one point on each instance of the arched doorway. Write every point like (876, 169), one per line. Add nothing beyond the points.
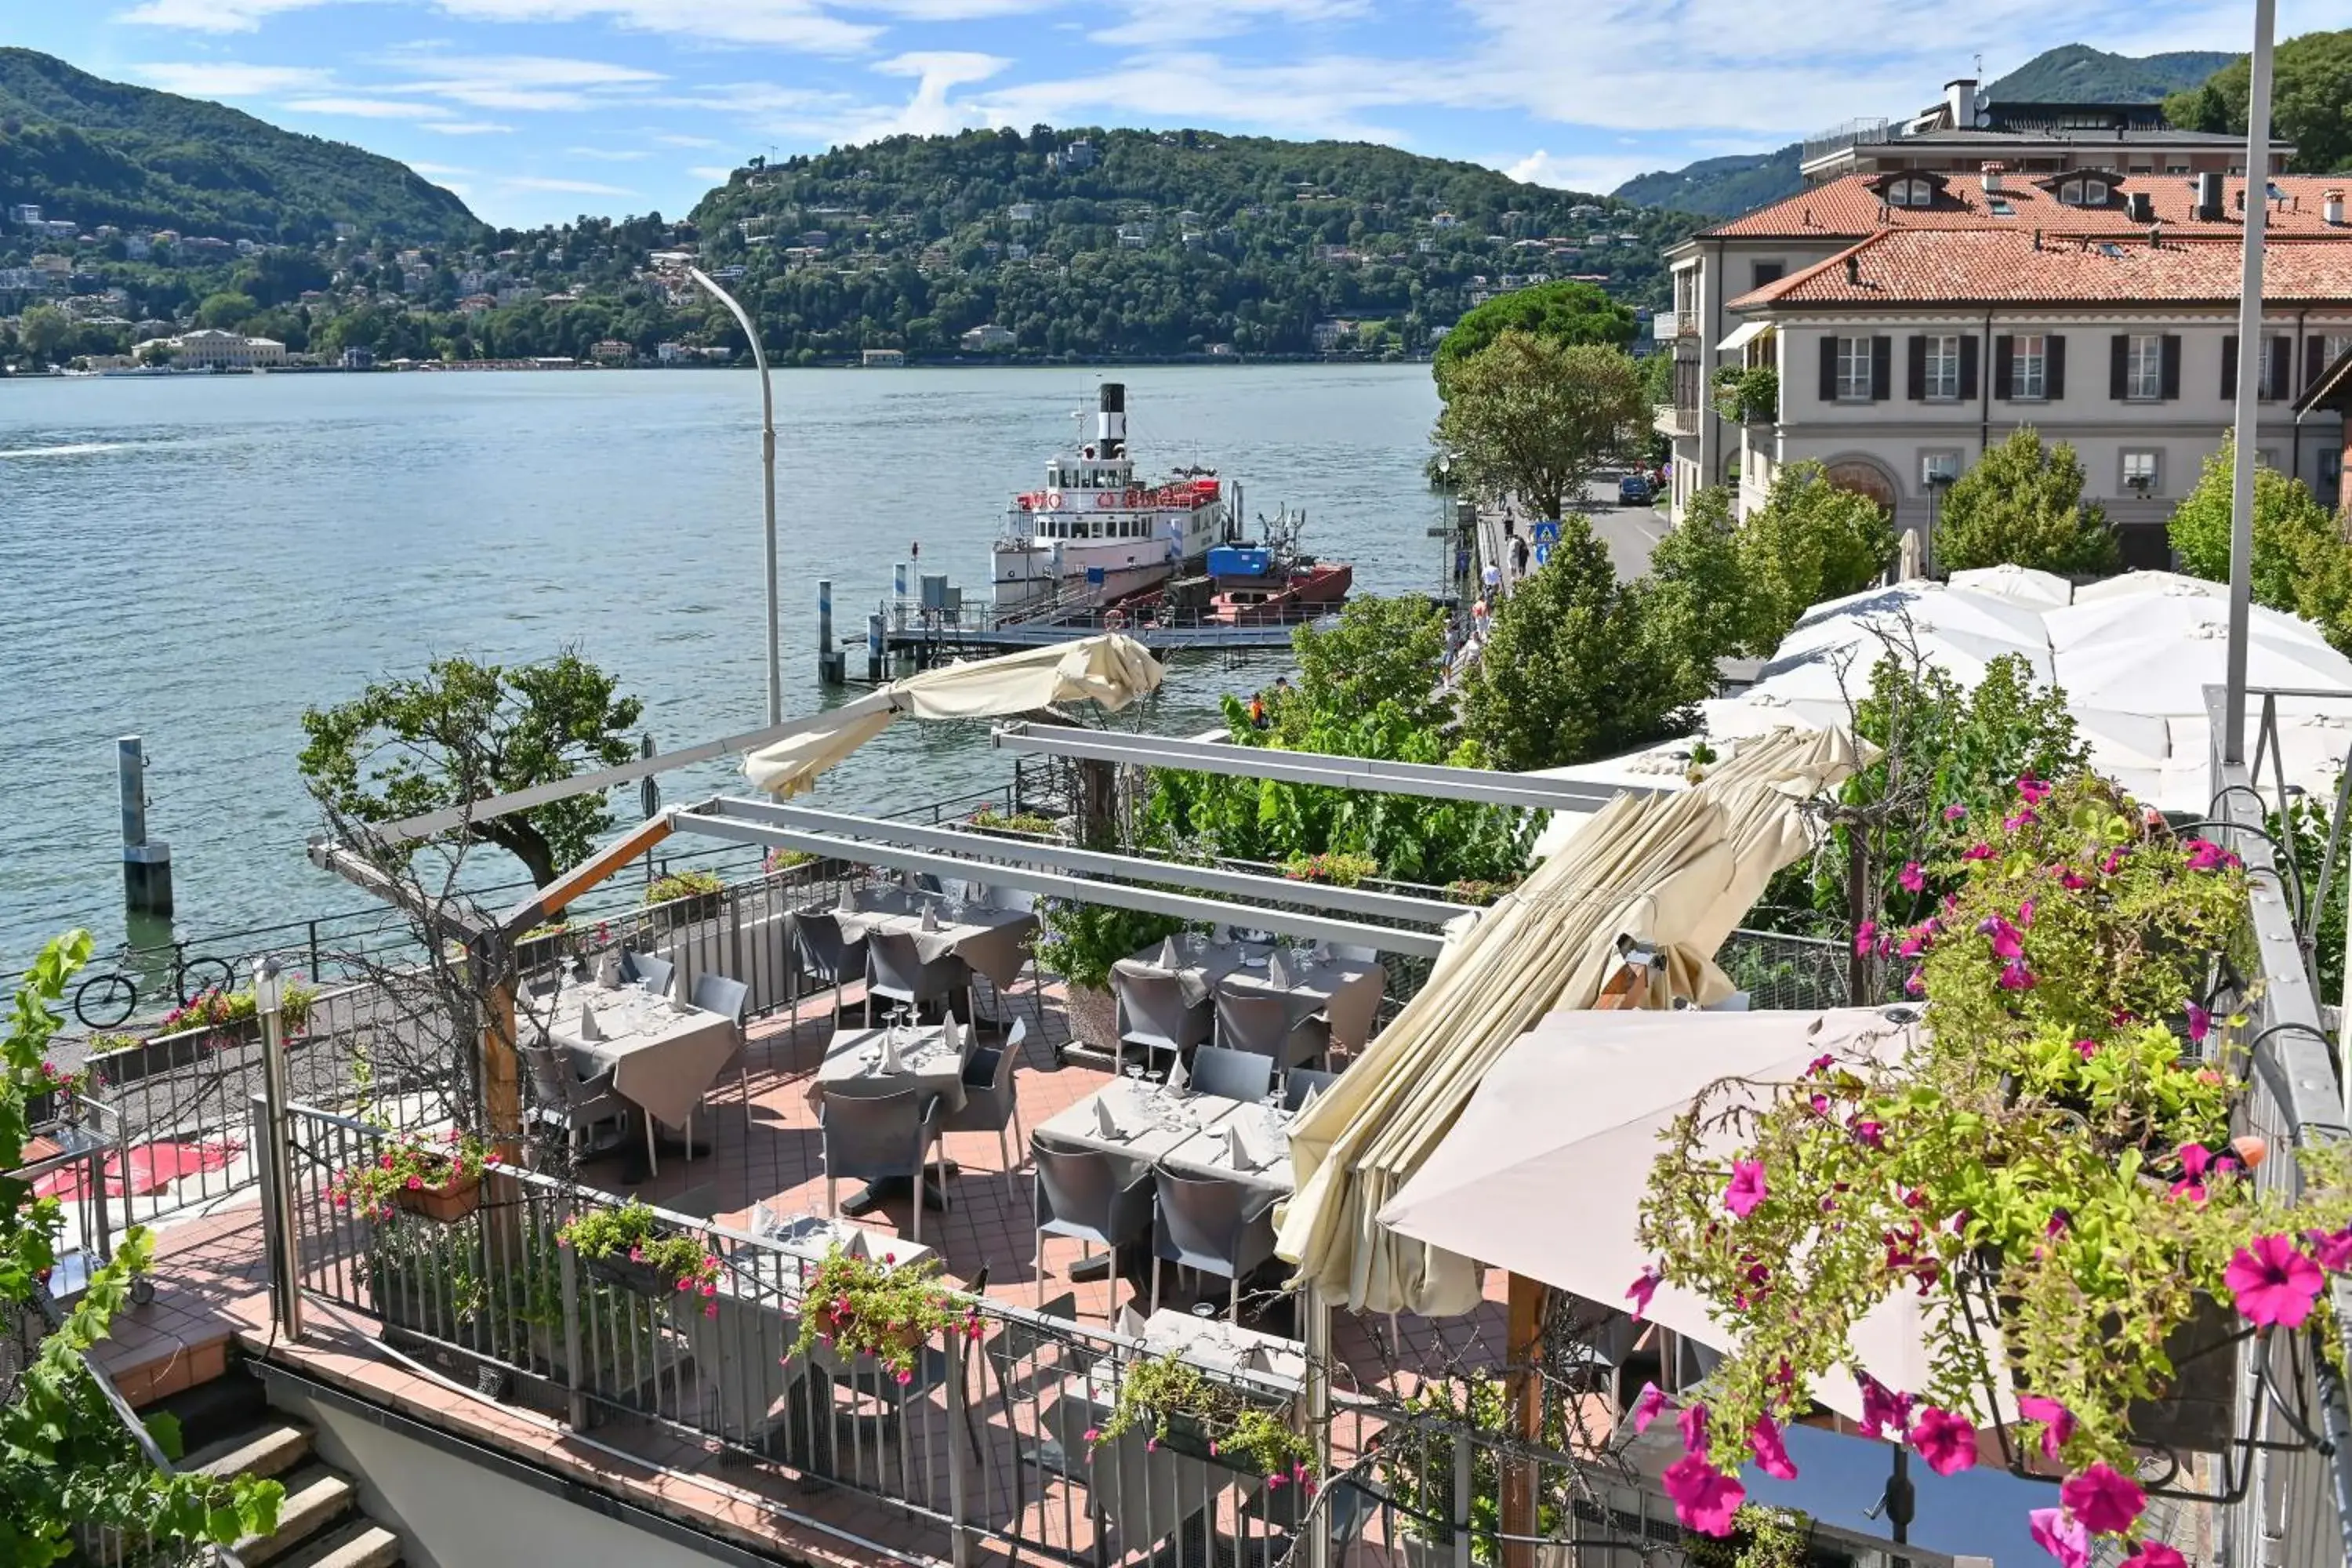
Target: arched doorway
(1864, 477)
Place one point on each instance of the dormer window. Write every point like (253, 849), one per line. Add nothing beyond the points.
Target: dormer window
(1910, 191)
(2095, 188)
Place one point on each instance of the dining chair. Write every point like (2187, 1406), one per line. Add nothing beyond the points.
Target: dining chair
(654, 973)
(560, 1098)
(1300, 1082)
(1244, 1075)
(741, 1352)
(1268, 1024)
(821, 954)
(1153, 1016)
(1215, 1226)
(730, 998)
(991, 1102)
(895, 971)
(875, 1137)
(1079, 1193)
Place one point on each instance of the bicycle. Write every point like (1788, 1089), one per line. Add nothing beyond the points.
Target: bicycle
(106, 1000)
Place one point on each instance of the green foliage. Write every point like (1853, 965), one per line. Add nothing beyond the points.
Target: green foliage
(2023, 503)
(1559, 312)
(414, 1164)
(1019, 823)
(42, 330)
(467, 730)
(2304, 828)
(218, 1009)
(1749, 395)
(1761, 1537)
(633, 1232)
(1414, 1463)
(2311, 101)
(2078, 73)
(227, 311)
(103, 152)
(1337, 871)
(1381, 650)
(67, 1457)
(691, 884)
(878, 1307)
(1081, 942)
(1809, 541)
(1167, 1395)
(1700, 597)
(1530, 417)
(2301, 565)
(1576, 668)
(1721, 187)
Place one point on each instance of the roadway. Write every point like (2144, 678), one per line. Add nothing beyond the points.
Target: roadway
(1628, 533)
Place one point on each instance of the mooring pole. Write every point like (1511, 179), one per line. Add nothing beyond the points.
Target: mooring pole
(146, 868)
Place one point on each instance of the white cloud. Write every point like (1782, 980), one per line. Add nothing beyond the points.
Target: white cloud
(672, 139)
(572, 187)
(1601, 172)
(717, 174)
(524, 83)
(793, 24)
(1156, 23)
(212, 15)
(434, 171)
(609, 155)
(228, 78)
(465, 127)
(365, 108)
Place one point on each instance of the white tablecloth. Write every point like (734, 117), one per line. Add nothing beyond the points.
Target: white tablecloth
(924, 1060)
(994, 941)
(1163, 1123)
(661, 1059)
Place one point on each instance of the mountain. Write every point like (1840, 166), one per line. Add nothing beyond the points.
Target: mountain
(2078, 73)
(1719, 187)
(94, 151)
(1092, 242)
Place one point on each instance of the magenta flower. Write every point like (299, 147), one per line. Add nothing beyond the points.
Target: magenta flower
(2113, 863)
(2007, 941)
(2025, 913)
(1771, 1453)
(2273, 1282)
(1869, 1134)
(1746, 1189)
(2074, 882)
(1911, 878)
(1915, 984)
(2334, 1252)
(1643, 1288)
(1648, 1405)
(1955, 812)
(2033, 791)
(2023, 816)
(2154, 1554)
(1820, 1064)
(2106, 1502)
(1882, 1407)
(2204, 854)
(1692, 1423)
(2201, 1024)
(2057, 1421)
(1980, 850)
(1913, 943)
(1705, 1498)
(2060, 1536)
(2015, 976)
(1944, 1440)
(1863, 936)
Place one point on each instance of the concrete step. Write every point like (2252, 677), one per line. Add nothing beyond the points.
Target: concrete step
(317, 1500)
(363, 1544)
(271, 1450)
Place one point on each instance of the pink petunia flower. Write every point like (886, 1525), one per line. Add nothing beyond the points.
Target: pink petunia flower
(2201, 1024)
(2062, 1538)
(2015, 976)
(2273, 1282)
(2074, 882)
(2334, 1252)
(2008, 942)
(2023, 816)
(1955, 812)
(1771, 1453)
(1864, 935)
(2107, 1501)
(1746, 1189)
(2025, 914)
(2154, 1554)
(1692, 1423)
(1915, 984)
(1980, 850)
(2033, 791)
(1944, 1440)
(1643, 1288)
(1882, 1409)
(1648, 1405)
(1911, 878)
(1704, 1498)
(2204, 854)
(2057, 1421)
(2087, 1049)
(1869, 1134)
(1821, 1065)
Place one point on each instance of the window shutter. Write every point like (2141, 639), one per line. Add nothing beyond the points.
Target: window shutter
(1882, 369)
(1828, 368)
(2230, 367)
(2004, 366)
(2315, 362)
(2119, 366)
(1915, 353)
(2053, 371)
(1971, 355)
(2279, 376)
(2171, 388)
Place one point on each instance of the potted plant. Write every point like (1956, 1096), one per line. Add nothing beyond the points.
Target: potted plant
(698, 894)
(626, 1247)
(1012, 823)
(1760, 1537)
(2050, 1157)
(1338, 869)
(861, 1306)
(231, 1016)
(58, 1098)
(1178, 1405)
(437, 1178)
(1080, 942)
(1414, 1466)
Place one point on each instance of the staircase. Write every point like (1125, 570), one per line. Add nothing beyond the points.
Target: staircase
(320, 1523)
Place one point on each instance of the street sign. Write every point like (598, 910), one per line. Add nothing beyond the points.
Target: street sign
(1543, 551)
(1547, 533)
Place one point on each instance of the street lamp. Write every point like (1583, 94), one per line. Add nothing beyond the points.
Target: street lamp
(1937, 474)
(768, 473)
(2249, 371)
(269, 1000)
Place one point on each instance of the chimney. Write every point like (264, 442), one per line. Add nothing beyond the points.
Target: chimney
(1110, 420)
(2209, 197)
(2037, 239)
(2332, 208)
(2142, 206)
(1990, 174)
(1960, 100)
(1854, 271)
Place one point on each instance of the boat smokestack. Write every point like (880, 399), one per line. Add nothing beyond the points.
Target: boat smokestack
(1111, 421)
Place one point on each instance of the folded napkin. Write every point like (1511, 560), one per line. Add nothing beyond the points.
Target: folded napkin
(1246, 1145)
(852, 1241)
(1308, 1103)
(1179, 1080)
(1322, 953)
(1276, 974)
(1221, 936)
(1254, 1359)
(952, 1034)
(890, 1062)
(931, 920)
(1169, 957)
(1129, 1323)
(608, 970)
(1110, 1120)
(589, 1029)
(848, 902)
(907, 880)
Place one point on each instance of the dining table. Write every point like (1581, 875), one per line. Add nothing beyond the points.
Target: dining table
(927, 1062)
(1345, 990)
(664, 1054)
(994, 943)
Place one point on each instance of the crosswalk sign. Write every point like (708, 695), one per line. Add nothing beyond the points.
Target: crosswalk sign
(1543, 553)
(1547, 533)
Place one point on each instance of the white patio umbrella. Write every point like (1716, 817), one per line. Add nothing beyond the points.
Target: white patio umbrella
(2167, 674)
(2018, 585)
(2164, 612)
(1927, 604)
(1111, 671)
(2132, 585)
(1834, 671)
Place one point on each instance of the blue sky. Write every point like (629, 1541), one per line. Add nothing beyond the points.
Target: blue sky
(536, 110)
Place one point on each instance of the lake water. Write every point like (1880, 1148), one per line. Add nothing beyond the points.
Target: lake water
(196, 559)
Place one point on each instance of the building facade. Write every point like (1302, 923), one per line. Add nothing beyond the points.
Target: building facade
(207, 348)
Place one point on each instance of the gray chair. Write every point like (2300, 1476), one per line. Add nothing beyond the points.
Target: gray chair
(895, 971)
(1231, 1075)
(1269, 1025)
(757, 1390)
(644, 968)
(1080, 1195)
(560, 1098)
(876, 1137)
(821, 954)
(1217, 1227)
(1300, 1082)
(719, 993)
(991, 1103)
(1153, 1016)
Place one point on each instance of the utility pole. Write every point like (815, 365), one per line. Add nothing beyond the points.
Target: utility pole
(2250, 381)
(768, 474)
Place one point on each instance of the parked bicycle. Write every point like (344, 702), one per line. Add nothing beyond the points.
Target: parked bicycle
(109, 1000)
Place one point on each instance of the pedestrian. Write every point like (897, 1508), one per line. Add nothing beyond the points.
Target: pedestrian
(1491, 579)
(1518, 556)
(1258, 710)
(1281, 687)
(1478, 620)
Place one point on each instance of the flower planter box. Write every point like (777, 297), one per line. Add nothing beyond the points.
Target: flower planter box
(2199, 1416)
(636, 1279)
(450, 1202)
(1093, 1019)
(166, 1053)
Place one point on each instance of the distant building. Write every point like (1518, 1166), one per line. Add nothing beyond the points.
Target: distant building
(612, 352)
(1079, 154)
(27, 215)
(1445, 220)
(883, 358)
(1329, 336)
(989, 338)
(358, 357)
(1021, 211)
(208, 349)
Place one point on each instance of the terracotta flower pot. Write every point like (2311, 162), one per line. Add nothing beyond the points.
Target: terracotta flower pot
(450, 1202)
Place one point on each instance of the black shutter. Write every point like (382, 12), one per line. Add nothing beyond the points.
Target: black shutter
(2230, 367)
(2171, 388)
(2004, 366)
(1882, 369)
(2119, 366)
(1828, 368)
(2315, 362)
(1915, 353)
(2055, 367)
(1971, 353)
(2279, 371)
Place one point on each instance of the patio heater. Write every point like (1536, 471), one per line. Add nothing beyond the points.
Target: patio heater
(2250, 379)
(768, 476)
(285, 1249)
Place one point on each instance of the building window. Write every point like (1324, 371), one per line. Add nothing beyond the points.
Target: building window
(1768, 272)
(2144, 368)
(2084, 194)
(1911, 192)
(1938, 469)
(1942, 383)
(2175, 165)
(1854, 381)
(2029, 375)
(2143, 472)
(2331, 477)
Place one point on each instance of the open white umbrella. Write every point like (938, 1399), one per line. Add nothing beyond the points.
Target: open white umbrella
(2018, 585)
(1928, 604)
(2167, 675)
(2171, 610)
(2132, 585)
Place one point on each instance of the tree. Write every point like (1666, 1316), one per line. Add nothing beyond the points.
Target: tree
(2022, 504)
(225, 310)
(1809, 541)
(1381, 650)
(43, 331)
(67, 1459)
(1699, 598)
(1564, 313)
(2301, 565)
(1535, 418)
(467, 732)
(1576, 667)
(2311, 101)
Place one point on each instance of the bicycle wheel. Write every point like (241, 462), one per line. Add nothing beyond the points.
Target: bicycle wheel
(103, 1001)
(199, 976)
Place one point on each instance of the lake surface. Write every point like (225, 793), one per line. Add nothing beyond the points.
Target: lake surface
(196, 559)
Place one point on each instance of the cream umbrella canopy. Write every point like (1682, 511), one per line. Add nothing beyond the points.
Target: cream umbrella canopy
(1109, 671)
(1673, 871)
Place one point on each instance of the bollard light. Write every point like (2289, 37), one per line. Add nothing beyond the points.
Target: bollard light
(268, 990)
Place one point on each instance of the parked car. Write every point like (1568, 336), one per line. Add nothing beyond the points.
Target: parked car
(1634, 489)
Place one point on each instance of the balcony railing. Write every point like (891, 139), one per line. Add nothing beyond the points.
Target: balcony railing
(1671, 419)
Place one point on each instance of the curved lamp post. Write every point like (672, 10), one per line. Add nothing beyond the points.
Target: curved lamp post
(768, 471)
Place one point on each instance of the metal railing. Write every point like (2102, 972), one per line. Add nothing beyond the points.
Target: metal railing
(1864, 131)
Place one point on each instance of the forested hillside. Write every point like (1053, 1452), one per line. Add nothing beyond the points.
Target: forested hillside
(2078, 73)
(1721, 187)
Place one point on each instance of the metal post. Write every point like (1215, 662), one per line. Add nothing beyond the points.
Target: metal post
(576, 1381)
(1315, 1323)
(286, 1298)
(768, 476)
(1464, 1497)
(959, 1538)
(2249, 373)
(648, 796)
(146, 868)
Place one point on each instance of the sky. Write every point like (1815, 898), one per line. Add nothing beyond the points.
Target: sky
(536, 110)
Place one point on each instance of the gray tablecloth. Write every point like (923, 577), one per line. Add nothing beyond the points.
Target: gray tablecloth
(1348, 993)
(661, 1059)
(925, 1061)
(1165, 1126)
(1209, 1153)
(994, 941)
(1203, 965)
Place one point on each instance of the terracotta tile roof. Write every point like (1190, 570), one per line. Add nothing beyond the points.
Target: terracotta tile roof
(1973, 267)
(1848, 207)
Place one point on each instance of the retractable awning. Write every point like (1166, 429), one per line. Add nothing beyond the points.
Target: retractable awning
(1742, 335)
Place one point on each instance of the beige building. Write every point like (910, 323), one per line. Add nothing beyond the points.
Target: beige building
(209, 349)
